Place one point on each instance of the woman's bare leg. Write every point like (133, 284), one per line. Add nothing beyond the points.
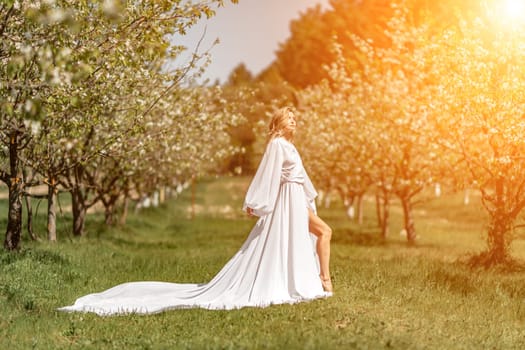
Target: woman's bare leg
(324, 234)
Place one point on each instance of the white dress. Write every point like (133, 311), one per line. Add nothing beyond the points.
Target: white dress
(276, 264)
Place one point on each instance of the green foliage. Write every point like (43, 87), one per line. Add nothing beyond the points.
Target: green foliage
(375, 123)
(252, 99)
(480, 96)
(302, 59)
(435, 102)
(87, 93)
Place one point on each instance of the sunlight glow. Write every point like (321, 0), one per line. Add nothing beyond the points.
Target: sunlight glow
(514, 9)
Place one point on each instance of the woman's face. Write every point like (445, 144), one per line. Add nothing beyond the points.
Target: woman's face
(289, 125)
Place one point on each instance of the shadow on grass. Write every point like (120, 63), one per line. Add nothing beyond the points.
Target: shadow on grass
(373, 238)
(487, 260)
(453, 278)
(36, 255)
(458, 278)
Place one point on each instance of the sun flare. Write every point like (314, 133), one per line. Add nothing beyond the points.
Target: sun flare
(514, 10)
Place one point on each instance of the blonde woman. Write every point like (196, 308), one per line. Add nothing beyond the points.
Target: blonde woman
(277, 263)
(282, 189)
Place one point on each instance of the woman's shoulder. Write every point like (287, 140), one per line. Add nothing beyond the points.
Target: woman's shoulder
(283, 144)
(275, 143)
(279, 140)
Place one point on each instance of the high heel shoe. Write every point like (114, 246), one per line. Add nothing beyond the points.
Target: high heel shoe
(327, 284)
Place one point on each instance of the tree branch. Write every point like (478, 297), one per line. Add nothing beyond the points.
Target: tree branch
(6, 18)
(184, 73)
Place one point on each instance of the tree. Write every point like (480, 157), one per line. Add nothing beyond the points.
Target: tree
(251, 99)
(240, 75)
(30, 68)
(84, 67)
(301, 58)
(378, 127)
(480, 106)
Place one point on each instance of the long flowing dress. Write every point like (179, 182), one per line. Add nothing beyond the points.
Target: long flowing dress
(276, 264)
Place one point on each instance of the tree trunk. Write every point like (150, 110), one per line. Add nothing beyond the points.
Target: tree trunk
(124, 215)
(110, 203)
(500, 226)
(383, 213)
(498, 243)
(108, 213)
(386, 217)
(386, 220)
(408, 220)
(193, 197)
(162, 195)
(379, 212)
(14, 218)
(79, 212)
(51, 211)
(29, 208)
(16, 186)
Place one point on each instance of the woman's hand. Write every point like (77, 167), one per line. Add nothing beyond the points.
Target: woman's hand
(249, 211)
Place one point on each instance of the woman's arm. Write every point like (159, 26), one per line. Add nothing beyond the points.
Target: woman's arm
(264, 188)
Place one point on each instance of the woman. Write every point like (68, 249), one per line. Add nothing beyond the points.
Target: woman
(287, 171)
(277, 264)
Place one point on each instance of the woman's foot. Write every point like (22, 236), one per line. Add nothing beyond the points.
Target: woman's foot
(327, 284)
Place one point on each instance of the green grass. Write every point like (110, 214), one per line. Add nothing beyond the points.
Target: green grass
(387, 294)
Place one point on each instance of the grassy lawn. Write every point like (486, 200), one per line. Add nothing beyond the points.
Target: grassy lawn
(387, 294)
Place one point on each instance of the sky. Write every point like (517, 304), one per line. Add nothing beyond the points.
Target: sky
(249, 32)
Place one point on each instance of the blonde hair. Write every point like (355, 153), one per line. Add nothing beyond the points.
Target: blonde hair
(279, 122)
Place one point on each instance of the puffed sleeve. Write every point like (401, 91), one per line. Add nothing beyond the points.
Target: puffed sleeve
(310, 192)
(263, 190)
